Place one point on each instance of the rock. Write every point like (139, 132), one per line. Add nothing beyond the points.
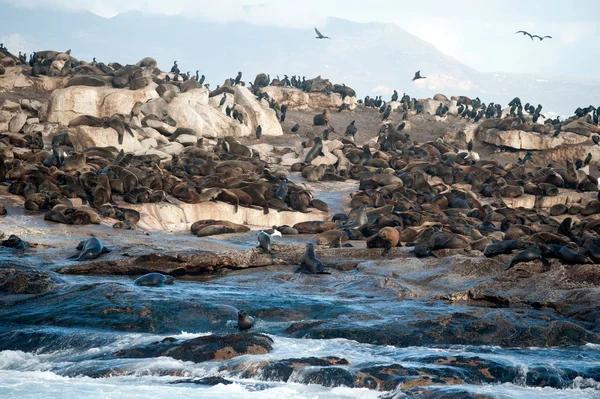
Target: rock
(171, 148)
(205, 348)
(2, 70)
(149, 143)
(186, 139)
(327, 159)
(32, 105)
(86, 80)
(8, 62)
(19, 282)
(17, 122)
(257, 112)
(296, 99)
(216, 100)
(71, 102)
(161, 127)
(32, 121)
(440, 97)
(265, 151)
(333, 145)
(521, 140)
(319, 84)
(11, 106)
(84, 137)
(22, 82)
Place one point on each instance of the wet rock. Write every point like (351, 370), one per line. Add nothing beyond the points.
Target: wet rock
(206, 348)
(13, 281)
(210, 381)
(283, 369)
(328, 377)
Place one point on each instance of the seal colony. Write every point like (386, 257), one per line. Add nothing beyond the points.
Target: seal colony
(428, 196)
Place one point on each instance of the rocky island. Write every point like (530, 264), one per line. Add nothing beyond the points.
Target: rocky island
(422, 248)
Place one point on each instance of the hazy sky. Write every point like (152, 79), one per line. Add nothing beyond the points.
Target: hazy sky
(479, 34)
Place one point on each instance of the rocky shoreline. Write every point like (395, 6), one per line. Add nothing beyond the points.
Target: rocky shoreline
(461, 244)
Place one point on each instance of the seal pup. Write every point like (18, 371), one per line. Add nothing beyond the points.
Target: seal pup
(89, 249)
(154, 280)
(310, 263)
(245, 322)
(264, 242)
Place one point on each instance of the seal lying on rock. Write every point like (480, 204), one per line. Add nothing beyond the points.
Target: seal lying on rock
(89, 249)
(13, 242)
(154, 280)
(310, 263)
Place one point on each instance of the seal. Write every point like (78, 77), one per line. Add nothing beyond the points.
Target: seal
(264, 242)
(315, 151)
(215, 229)
(310, 263)
(245, 322)
(503, 247)
(332, 237)
(571, 257)
(154, 280)
(391, 238)
(529, 255)
(13, 241)
(89, 249)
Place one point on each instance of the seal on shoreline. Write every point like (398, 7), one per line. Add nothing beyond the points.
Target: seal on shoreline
(154, 280)
(310, 263)
(315, 151)
(245, 322)
(89, 249)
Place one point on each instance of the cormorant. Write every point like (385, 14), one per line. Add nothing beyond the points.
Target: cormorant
(201, 81)
(387, 112)
(258, 132)
(542, 38)
(395, 96)
(223, 99)
(174, 68)
(418, 76)
(470, 145)
(588, 159)
(351, 129)
(238, 78)
(295, 128)
(596, 139)
(401, 127)
(320, 36)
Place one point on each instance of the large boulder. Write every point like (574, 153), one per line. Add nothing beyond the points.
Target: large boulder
(521, 140)
(84, 137)
(326, 159)
(319, 84)
(71, 102)
(581, 127)
(430, 106)
(258, 113)
(298, 100)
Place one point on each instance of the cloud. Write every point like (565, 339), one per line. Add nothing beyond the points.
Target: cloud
(571, 33)
(382, 90)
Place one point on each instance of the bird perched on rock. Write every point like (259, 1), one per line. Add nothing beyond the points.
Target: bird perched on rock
(401, 127)
(295, 128)
(258, 132)
(588, 159)
(395, 96)
(223, 99)
(596, 139)
(388, 111)
(470, 145)
(418, 76)
(238, 78)
(175, 68)
(351, 129)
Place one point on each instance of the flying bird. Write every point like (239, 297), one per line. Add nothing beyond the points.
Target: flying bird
(418, 76)
(320, 35)
(525, 33)
(542, 38)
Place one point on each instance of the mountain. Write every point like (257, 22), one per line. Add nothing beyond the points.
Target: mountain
(372, 58)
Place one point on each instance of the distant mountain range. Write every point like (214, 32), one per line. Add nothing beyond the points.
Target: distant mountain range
(372, 58)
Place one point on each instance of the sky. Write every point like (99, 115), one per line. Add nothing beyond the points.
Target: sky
(477, 34)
